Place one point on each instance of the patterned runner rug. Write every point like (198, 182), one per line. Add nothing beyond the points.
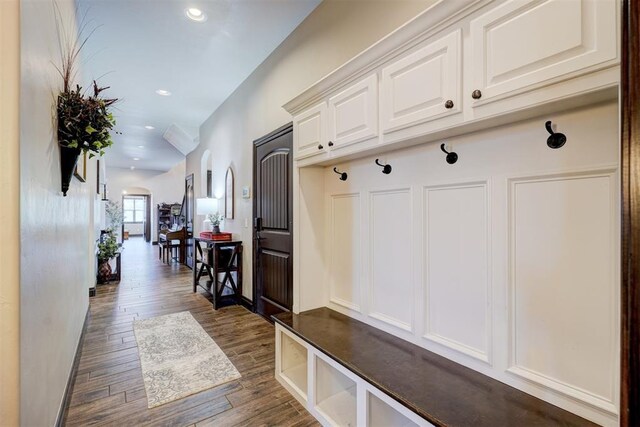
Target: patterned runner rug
(179, 358)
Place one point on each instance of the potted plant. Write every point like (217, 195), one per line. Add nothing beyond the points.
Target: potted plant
(215, 219)
(85, 121)
(115, 215)
(107, 249)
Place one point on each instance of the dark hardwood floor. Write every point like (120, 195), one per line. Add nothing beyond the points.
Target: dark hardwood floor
(108, 387)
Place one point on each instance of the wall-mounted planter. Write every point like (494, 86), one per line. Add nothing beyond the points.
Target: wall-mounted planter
(68, 161)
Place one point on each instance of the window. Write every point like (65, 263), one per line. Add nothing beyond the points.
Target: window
(134, 209)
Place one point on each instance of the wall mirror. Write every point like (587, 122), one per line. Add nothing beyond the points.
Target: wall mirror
(228, 194)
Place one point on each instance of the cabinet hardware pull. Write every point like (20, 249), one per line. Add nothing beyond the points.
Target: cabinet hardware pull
(320, 147)
(476, 94)
(330, 143)
(448, 104)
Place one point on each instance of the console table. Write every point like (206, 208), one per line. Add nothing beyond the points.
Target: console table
(219, 262)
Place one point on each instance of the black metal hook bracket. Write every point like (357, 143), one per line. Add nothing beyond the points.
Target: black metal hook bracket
(556, 139)
(386, 169)
(451, 156)
(343, 175)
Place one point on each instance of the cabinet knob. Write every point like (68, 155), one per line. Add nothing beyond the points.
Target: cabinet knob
(330, 143)
(476, 94)
(320, 147)
(448, 104)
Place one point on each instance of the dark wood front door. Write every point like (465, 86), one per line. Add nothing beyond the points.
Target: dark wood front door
(188, 213)
(273, 222)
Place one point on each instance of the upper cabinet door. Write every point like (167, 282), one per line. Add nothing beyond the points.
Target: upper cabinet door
(353, 113)
(309, 132)
(524, 44)
(424, 85)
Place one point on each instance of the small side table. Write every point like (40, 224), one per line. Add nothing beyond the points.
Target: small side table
(219, 262)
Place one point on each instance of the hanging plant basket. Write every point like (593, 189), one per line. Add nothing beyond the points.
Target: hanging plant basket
(68, 161)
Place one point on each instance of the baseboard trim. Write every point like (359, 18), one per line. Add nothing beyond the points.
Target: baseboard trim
(66, 401)
(247, 303)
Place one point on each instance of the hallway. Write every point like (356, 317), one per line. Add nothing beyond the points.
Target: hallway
(109, 389)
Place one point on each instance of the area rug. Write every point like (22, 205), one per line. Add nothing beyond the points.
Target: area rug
(179, 358)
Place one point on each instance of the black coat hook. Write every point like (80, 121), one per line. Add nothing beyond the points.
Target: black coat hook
(343, 175)
(386, 169)
(451, 156)
(555, 140)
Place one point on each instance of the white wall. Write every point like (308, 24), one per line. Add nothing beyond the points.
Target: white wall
(10, 212)
(164, 187)
(331, 35)
(56, 232)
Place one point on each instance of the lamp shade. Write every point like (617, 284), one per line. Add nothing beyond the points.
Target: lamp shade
(205, 206)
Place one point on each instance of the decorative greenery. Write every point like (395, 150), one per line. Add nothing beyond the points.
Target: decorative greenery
(107, 249)
(215, 219)
(85, 121)
(115, 215)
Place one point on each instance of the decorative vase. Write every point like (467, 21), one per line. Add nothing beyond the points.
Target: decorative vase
(216, 229)
(104, 271)
(68, 161)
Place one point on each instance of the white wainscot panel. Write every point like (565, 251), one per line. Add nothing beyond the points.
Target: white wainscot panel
(563, 284)
(345, 251)
(457, 285)
(391, 289)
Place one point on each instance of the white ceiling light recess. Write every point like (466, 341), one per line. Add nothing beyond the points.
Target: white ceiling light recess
(163, 92)
(195, 14)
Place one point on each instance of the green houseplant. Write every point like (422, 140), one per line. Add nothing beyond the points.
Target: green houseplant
(215, 219)
(85, 121)
(115, 215)
(107, 249)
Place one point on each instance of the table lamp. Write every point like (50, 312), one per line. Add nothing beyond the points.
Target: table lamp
(206, 206)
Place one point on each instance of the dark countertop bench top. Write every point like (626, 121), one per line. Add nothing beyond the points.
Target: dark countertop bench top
(443, 392)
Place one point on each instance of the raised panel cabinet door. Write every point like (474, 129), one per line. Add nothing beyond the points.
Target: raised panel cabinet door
(309, 132)
(353, 114)
(424, 85)
(525, 44)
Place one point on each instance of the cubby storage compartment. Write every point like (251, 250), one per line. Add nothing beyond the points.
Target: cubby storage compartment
(335, 395)
(380, 414)
(291, 365)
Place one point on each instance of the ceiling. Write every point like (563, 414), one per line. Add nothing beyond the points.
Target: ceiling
(140, 46)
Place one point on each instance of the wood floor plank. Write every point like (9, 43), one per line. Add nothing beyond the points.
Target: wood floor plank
(109, 388)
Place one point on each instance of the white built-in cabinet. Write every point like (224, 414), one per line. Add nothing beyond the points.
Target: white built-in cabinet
(506, 58)
(424, 85)
(353, 114)
(520, 45)
(334, 395)
(506, 262)
(309, 132)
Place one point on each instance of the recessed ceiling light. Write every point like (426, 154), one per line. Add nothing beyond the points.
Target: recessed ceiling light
(149, 127)
(140, 146)
(195, 14)
(132, 168)
(136, 158)
(125, 191)
(163, 92)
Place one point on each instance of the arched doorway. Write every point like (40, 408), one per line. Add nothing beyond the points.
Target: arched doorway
(136, 205)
